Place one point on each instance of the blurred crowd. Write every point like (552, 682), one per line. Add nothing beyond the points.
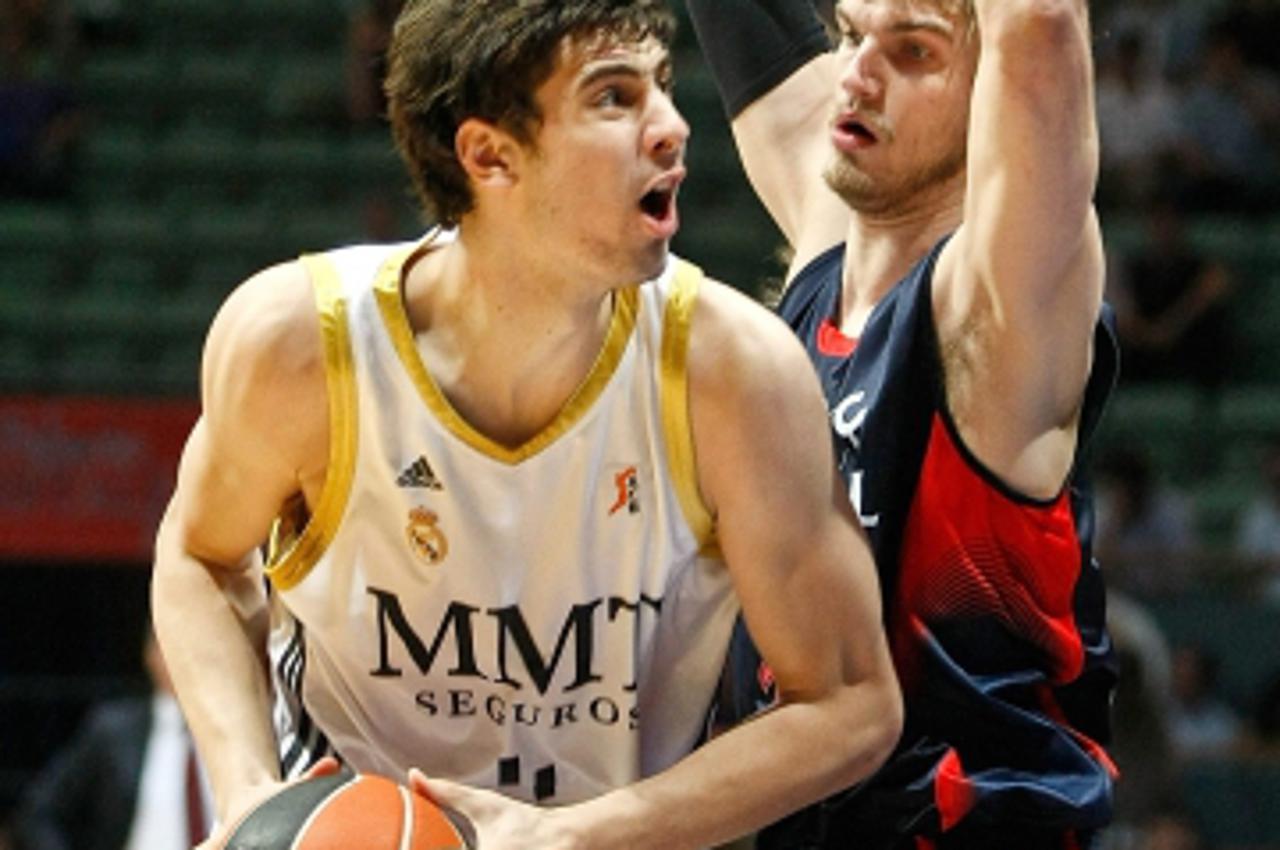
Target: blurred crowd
(1188, 101)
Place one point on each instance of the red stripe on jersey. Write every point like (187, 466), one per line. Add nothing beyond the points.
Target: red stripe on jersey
(832, 342)
(971, 551)
(952, 790)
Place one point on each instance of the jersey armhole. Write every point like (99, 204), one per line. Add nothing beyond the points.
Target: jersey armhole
(676, 424)
(297, 542)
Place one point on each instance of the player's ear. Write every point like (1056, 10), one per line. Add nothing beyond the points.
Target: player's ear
(489, 155)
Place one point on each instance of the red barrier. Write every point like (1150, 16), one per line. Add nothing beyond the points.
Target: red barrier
(87, 478)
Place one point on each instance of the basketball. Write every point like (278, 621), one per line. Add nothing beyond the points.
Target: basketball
(345, 811)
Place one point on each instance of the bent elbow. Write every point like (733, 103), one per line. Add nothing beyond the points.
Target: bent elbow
(889, 723)
(871, 742)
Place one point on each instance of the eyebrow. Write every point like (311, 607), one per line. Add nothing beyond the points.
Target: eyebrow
(909, 25)
(621, 68)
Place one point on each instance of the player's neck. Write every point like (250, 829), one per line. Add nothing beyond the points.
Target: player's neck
(506, 345)
(881, 249)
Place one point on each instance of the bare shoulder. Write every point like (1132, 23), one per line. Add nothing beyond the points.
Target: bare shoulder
(265, 354)
(757, 409)
(739, 346)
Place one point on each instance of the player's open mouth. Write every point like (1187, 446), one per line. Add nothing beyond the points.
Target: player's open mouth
(658, 205)
(853, 134)
(855, 129)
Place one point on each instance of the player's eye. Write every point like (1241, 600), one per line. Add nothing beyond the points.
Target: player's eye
(916, 51)
(610, 97)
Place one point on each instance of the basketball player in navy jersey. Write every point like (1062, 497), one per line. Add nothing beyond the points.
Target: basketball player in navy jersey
(523, 474)
(934, 175)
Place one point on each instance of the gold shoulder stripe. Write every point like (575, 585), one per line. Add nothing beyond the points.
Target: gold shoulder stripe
(291, 565)
(391, 305)
(676, 323)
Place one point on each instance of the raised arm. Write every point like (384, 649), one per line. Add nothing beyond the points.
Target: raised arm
(243, 460)
(1027, 274)
(776, 76)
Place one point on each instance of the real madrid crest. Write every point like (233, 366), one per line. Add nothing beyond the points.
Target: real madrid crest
(425, 537)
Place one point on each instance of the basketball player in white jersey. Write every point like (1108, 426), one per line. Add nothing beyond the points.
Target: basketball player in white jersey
(520, 477)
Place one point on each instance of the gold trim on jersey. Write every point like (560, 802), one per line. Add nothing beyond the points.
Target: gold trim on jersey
(292, 553)
(391, 304)
(677, 320)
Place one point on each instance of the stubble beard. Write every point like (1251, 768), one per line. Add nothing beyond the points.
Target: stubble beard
(863, 194)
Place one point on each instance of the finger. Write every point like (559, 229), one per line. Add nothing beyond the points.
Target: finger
(327, 766)
(451, 798)
(446, 794)
(418, 782)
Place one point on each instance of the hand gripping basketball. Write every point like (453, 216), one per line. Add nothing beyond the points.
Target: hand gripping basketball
(345, 811)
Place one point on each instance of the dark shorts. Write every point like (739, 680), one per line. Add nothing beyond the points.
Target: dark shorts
(812, 833)
(1005, 840)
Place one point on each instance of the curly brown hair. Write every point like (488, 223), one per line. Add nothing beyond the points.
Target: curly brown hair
(451, 60)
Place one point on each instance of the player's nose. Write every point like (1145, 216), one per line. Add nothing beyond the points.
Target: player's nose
(667, 132)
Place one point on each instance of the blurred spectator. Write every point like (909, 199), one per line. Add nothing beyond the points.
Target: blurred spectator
(1141, 523)
(40, 122)
(1201, 723)
(1172, 30)
(1230, 120)
(1137, 123)
(127, 781)
(368, 37)
(1258, 534)
(1172, 829)
(1171, 306)
(1141, 745)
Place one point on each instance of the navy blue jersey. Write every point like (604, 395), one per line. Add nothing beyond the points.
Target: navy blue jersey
(993, 603)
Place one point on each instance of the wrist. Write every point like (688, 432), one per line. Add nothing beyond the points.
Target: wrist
(602, 823)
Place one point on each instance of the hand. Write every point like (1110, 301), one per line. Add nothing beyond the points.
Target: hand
(495, 822)
(248, 798)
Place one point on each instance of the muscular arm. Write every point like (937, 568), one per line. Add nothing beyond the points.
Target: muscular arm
(803, 572)
(1022, 281)
(242, 461)
(779, 96)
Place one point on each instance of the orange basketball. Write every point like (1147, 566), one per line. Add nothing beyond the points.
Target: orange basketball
(345, 811)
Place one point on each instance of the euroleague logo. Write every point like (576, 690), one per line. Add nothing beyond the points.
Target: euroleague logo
(425, 537)
(626, 491)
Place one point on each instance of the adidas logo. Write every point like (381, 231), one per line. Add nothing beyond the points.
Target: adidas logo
(420, 475)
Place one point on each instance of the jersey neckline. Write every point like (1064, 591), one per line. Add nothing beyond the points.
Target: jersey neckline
(389, 294)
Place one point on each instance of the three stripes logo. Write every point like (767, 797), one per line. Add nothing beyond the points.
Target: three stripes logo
(420, 476)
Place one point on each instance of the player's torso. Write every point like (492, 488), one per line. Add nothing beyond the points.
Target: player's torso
(507, 617)
(992, 599)
(882, 390)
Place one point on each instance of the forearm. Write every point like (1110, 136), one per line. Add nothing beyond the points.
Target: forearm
(752, 775)
(210, 623)
(1033, 151)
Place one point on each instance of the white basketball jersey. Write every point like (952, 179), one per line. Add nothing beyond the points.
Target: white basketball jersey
(548, 620)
